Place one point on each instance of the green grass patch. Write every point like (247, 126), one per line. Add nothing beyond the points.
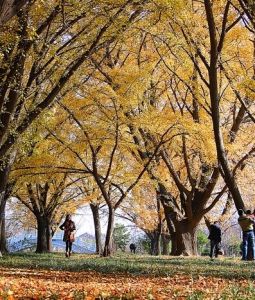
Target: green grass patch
(230, 268)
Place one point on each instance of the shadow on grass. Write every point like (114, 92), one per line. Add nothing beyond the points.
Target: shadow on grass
(132, 264)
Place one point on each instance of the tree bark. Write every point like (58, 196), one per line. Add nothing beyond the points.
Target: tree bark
(97, 226)
(215, 108)
(9, 8)
(155, 238)
(155, 244)
(5, 191)
(3, 246)
(49, 237)
(174, 249)
(43, 235)
(108, 249)
(165, 243)
(186, 239)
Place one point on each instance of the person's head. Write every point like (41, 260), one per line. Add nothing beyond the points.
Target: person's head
(68, 217)
(240, 212)
(248, 212)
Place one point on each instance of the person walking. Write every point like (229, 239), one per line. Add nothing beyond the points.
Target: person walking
(250, 256)
(248, 245)
(132, 248)
(68, 226)
(215, 238)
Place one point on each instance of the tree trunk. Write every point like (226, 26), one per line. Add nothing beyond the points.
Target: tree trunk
(5, 192)
(174, 249)
(157, 249)
(9, 8)
(108, 239)
(97, 226)
(183, 231)
(3, 247)
(186, 239)
(165, 244)
(43, 236)
(159, 229)
(215, 108)
(49, 237)
(153, 246)
(155, 238)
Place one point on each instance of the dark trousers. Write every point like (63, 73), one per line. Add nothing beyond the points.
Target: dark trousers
(215, 246)
(69, 246)
(248, 245)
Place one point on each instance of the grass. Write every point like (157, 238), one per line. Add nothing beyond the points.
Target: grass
(198, 277)
(228, 268)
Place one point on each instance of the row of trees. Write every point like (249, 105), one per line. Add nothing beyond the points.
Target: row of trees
(142, 107)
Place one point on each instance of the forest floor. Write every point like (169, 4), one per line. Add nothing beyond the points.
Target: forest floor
(52, 276)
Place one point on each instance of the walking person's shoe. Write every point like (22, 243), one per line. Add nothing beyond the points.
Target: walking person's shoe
(67, 254)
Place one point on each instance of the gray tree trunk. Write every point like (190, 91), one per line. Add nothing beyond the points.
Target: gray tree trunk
(97, 226)
(108, 249)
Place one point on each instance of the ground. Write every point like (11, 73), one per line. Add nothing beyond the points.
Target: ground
(52, 276)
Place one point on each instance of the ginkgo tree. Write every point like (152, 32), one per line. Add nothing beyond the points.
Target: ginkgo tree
(143, 208)
(41, 51)
(145, 106)
(170, 98)
(179, 94)
(212, 89)
(47, 195)
(99, 144)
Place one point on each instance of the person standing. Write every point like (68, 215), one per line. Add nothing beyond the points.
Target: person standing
(68, 226)
(248, 245)
(132, 248)
(215, 238)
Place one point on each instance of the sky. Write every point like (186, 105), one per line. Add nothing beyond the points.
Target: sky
(84, 223)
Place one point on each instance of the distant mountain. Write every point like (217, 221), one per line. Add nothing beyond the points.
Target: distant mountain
(84, 243)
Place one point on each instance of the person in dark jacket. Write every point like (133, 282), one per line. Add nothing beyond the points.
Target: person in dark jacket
(215, 238)
(132, 248)
(68, 226)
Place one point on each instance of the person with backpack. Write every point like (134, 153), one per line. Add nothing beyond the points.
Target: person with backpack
(215, 239)
(68, 226)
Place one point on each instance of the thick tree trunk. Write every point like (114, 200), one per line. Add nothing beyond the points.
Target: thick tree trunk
(186, 239)
(43, 235)
(155, 238)
(49, 238)
(153, 249)
(156, 249)
(165, 243)
(108, 247)
(9, 8)
(97, 226)
(183, 231)
(183, 234)
(174, 249)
